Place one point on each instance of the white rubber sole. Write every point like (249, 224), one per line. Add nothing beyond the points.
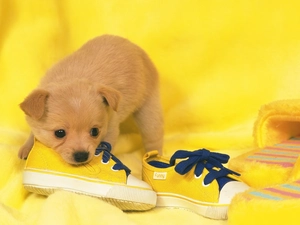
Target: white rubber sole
(209, 210)
(127, 198)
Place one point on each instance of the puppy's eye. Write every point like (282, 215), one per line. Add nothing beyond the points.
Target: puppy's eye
(60, 133)
(94, 132)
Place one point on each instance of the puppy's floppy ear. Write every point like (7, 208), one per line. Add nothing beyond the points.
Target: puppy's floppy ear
(110, 96)
(35, 103)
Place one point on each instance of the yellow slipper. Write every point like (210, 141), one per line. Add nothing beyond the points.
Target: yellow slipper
(277, 137)
(270, 165)
(276, 205)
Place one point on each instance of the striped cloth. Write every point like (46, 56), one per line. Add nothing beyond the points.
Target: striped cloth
(283, 154)
(277, 193)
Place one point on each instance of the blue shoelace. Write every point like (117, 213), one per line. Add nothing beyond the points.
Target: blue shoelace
(203, 158)
(105, 147)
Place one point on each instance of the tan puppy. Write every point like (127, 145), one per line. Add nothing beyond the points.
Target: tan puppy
(82, 100)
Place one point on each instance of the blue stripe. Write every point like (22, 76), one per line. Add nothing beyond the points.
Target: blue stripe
(263, 195)
(288, 146)
(277, 152)
(289, 186)
(271, 158)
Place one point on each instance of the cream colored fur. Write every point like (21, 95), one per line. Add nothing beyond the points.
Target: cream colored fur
(98, 86)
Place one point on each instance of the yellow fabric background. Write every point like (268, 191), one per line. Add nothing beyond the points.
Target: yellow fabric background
(219, 61)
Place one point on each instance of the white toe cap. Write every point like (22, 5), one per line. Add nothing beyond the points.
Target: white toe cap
(230, 189)
(133, 181)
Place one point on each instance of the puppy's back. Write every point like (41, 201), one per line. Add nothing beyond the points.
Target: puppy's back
(108, 60)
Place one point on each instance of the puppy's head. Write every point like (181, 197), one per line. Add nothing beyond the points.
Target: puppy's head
(72, 119)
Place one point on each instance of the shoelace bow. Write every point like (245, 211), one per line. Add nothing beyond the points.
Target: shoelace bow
(202, 158)
(105, 147)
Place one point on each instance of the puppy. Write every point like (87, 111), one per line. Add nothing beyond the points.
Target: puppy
(83, 98)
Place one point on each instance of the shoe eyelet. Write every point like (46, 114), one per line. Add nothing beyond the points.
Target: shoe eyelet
(205, 185)
(197, 177)
(104, 162)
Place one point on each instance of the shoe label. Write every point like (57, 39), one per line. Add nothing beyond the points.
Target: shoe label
(160, 175)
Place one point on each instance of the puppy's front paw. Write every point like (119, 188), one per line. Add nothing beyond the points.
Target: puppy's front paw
(24, 151)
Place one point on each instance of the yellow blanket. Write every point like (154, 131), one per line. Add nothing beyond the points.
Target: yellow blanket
(219, 61)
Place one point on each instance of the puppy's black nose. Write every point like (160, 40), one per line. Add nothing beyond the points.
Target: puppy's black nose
(81, 156)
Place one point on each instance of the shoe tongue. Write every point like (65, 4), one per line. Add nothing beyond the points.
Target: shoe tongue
(204, 159)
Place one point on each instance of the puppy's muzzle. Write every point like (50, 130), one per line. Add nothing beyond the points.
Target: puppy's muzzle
(81, 156)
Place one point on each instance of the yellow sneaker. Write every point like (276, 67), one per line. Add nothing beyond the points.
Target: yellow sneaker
(104, 177)
(199, 182)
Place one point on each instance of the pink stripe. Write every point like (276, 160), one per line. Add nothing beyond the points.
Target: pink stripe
(283, 164)
(277, 156)
(295, 195)
(291, 142)
(284, 147)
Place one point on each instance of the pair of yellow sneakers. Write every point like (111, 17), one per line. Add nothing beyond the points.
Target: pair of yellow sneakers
(196, 181)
